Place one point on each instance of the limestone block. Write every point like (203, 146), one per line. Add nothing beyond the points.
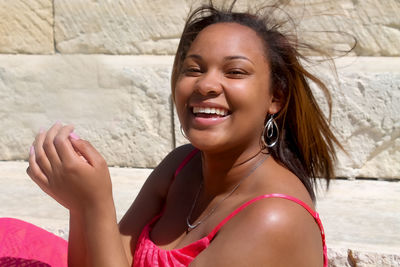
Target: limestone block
(342, 257)
(154, 27)
(338, 257)
(361, 216)
(119, 27)
(26, 27)
(366, 117)
(361, 222)
(120, 104)
(334, 25)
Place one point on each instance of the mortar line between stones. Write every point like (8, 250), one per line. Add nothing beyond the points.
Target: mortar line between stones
(54, 30)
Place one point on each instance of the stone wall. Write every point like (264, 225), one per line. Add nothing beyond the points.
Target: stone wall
(105, 66)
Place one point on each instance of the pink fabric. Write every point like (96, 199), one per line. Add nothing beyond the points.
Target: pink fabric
(148, 254)
(24, 244)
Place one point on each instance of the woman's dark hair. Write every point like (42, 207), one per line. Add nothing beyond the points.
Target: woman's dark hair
(306, 143)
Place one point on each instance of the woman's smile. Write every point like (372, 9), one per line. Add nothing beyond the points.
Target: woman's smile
(208, 114)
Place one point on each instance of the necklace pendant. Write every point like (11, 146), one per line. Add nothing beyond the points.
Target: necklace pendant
(191, 226)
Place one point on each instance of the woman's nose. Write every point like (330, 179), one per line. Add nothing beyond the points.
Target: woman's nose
(209, 83)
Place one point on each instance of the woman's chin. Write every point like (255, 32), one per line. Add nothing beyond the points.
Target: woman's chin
(206, 144)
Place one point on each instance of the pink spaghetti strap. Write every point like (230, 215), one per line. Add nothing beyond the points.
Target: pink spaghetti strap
(298, 201)
(185, 161)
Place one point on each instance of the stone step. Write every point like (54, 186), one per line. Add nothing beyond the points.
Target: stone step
(361, 217)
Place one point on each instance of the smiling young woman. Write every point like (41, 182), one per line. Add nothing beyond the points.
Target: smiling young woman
(223, 70)
(242, 193)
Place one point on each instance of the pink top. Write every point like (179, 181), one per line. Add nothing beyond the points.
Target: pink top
(149, 254)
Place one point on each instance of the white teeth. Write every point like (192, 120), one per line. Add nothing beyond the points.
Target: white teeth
(206, 110)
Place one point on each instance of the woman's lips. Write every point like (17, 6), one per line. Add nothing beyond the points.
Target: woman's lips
(206, 116)
(209, 111)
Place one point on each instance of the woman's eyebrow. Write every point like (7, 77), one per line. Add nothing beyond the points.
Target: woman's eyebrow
(196, 56)
(227, 58)
(237, 57)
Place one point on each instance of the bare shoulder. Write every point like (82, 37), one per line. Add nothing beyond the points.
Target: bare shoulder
(162, 175)
(160, 178)
(285, 229)
(271, 231)
(150, 199)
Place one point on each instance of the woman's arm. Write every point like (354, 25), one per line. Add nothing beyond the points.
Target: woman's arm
(84, 187)
(77, 248)
(74, 174)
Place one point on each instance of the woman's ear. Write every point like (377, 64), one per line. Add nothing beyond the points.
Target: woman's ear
(276, 105)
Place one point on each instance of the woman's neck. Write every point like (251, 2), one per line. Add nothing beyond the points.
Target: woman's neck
(223, 171)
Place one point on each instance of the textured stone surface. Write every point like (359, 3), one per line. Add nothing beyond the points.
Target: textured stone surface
(153, 27)
(342, 257)
(120, 105)
(334, 24)
(366, 100)
(360, 217)
(119, 27)
(26, 26)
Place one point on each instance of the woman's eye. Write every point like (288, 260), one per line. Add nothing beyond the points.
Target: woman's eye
(192, 71)
(236, 73)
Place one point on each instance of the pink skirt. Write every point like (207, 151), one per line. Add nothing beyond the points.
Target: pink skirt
(24, 244)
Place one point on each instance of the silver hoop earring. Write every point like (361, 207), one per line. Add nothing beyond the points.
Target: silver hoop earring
(270, 134)
(183, 133)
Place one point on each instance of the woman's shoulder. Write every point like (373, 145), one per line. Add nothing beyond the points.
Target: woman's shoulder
(271, 232)
(273, 227)
(165, 170)
(283, 205)
(281, 215)
(176, 158)
(283, 227)
(177, 155)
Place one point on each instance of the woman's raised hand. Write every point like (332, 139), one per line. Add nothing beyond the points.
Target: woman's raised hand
(69, 169)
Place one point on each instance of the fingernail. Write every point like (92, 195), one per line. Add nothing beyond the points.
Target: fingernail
(74, 136)
(32, 151)
(41, 130)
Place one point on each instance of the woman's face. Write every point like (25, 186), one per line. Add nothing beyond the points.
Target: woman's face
(222, 95)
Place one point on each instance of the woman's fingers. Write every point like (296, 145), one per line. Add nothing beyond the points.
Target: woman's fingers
(36, 173)
(88, 152)
(40, 156)
(63, 145)
(48, 145)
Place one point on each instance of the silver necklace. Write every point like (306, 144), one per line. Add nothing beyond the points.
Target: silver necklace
(193, 226)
